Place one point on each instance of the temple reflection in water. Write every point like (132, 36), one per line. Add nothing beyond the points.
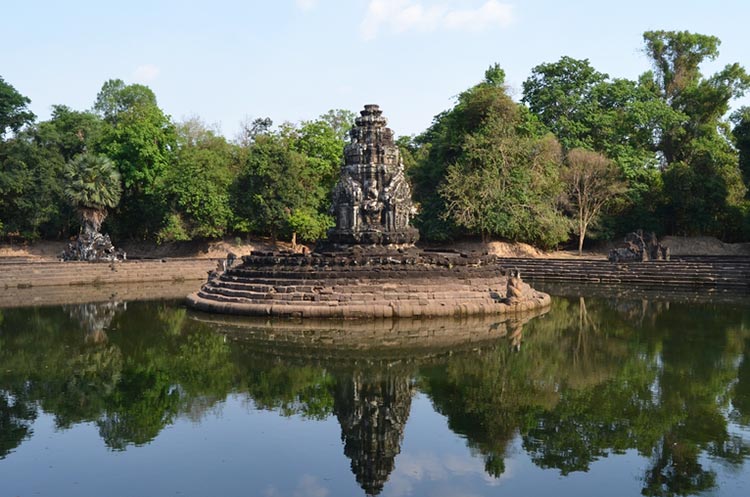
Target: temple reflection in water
(373, 413)
(373, 368)
(588, 380)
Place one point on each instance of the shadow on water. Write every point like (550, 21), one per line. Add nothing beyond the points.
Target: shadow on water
(590, 378)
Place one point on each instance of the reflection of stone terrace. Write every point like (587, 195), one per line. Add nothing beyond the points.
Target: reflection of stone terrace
(368, 267)
(390, 341)
(373, 364)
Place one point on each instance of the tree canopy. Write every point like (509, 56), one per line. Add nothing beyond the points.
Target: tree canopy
(13, 112)
(490, 169)
(487, 167)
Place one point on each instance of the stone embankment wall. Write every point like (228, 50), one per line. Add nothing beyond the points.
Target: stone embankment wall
(29, 282)
(686, 272)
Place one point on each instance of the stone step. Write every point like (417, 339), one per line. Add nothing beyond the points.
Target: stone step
(342, 294)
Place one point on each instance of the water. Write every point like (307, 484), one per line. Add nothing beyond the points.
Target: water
(595, 397)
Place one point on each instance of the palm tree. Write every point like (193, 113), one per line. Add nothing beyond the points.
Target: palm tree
(92, 186)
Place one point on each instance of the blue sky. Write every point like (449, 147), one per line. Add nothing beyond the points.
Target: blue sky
(290, 60)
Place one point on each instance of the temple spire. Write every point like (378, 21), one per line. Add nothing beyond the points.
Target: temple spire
(372, 200)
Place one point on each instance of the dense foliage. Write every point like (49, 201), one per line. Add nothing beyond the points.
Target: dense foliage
(489, 167)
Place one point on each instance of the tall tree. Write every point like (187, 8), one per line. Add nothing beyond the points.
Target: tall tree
(563, 95)
(676, 57)
(703, 182)
(592, 182)
(741, 133)
(496, 170)
(31, 200)
(270, 188)
(340, 121)
(92, 186)
(140, 139)
(615, 117)
(322, 143)
(69, 132)
(13, 116)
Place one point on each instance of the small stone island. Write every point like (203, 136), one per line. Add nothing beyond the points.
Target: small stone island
(368, 267)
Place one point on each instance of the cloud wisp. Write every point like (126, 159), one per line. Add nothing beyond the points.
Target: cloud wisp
(399, 16)
(306, 4)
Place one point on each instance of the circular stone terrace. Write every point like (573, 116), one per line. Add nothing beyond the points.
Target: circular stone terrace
(367, 285)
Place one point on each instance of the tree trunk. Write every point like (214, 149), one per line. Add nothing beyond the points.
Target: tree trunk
(294, 241)
(92, 219)
(580, 242)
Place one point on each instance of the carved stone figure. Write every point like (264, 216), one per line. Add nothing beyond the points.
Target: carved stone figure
(514, 291)
(372, 200)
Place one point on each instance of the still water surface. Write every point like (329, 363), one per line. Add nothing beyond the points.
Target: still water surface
(595, 397)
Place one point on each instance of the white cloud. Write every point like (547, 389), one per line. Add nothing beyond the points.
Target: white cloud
(309, 486)
(145, 73)
(306, 4)
(409, 15)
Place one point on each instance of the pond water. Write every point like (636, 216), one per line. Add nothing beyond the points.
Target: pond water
(595, 397)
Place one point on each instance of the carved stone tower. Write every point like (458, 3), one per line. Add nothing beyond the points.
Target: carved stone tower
(372, 201)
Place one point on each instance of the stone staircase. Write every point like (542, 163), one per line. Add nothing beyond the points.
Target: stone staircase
(25, 273)
(685, 272)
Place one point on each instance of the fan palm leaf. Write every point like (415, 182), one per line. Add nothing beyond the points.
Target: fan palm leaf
(92, 182)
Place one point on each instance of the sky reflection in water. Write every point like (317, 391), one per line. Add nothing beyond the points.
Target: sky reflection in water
(622, 397)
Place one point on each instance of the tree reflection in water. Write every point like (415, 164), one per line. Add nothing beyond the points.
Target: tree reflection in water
(592, 379)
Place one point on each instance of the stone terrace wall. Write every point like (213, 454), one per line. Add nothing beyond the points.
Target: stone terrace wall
(83, 294)
(34, 283)
(367, 286)
(24, 274)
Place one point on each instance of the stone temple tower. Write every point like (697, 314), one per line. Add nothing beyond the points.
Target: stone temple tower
(372, 200)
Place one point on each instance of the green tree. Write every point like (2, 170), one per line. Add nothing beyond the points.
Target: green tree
(703, 182)
(741, 133)
(139, 138)
(340, 121)
(196, 184)
(592, 182)
(495, 168)
(271, 187)
(615, 117)
(15, 170)
(563, 95)
(69, 132)
(92, 186)
(31, 199)
(322, 143)
(13, 112)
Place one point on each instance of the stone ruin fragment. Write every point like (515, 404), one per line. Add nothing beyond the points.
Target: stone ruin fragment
(640, 247)
(90, 245)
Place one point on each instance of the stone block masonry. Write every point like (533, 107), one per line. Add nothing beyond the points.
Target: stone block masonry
(347, 286)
